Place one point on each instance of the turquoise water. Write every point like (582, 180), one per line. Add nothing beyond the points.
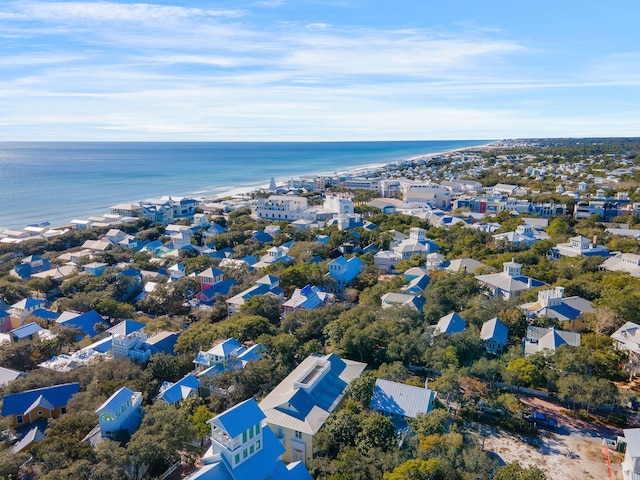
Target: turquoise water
(56, 182)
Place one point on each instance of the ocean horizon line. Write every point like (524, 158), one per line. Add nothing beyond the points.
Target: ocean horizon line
(73, 180)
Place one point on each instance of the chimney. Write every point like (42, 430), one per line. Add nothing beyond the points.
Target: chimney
(529, 282)
(595, 240)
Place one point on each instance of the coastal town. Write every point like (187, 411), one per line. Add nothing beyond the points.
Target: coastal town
(471, 314)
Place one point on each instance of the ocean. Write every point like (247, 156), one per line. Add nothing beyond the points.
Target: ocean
(56, 182)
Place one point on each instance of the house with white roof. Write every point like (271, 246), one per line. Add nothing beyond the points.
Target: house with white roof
(298, 407)
(623, 262)
(631, 462)
(494, 334)
(579, 246)
(510, 282)
(553, 304)
(281, 207)
(390, 300)
(466, 265)
(242, 448)
(523, 237)
(540, 339)
(627, 338)
(450, 324)
(400, 401)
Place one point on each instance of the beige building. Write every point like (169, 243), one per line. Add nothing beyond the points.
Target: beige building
(298, 407)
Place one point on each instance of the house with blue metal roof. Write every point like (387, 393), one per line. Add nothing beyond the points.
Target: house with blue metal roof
(225, 356)
(553, 304)
(85, 322)
(400, 401)
(298, 407)
(494, 333)
(174, 393)
(450, 324)
(345, 271)
(267, 285)
(27, 407)
(29, 331)
(25, 307)
(121, 411)
(30, 265)
(306, 298)
(243, 449)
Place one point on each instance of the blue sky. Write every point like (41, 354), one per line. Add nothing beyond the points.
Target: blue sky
(318, 70)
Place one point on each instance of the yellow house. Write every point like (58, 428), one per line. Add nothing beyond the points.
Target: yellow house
(26, 407)
(298, 407)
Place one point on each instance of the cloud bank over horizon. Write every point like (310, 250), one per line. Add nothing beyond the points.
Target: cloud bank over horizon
(315, 70)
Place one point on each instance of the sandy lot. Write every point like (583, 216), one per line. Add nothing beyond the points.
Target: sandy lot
(573, 452)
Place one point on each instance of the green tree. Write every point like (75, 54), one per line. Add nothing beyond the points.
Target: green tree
(515, 471)
(164, 431)
(267, 306)
(377, 432)
(417, 469)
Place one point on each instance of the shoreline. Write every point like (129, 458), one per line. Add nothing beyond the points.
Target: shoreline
(242, 190)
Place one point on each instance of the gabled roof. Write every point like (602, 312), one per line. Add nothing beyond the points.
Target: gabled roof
(27, 303)
(180, 390)
(116, 401)
(7, 375)
(306, 397)
(34, 435)
(401, 399)
(239, 418)
(210, 273)
(126, 327)
(450, 324)
(85, 322)
(495, 329)
(225, 348)
(26, 330)
(57, 396)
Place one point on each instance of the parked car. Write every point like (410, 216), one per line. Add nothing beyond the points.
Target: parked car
(541, 420)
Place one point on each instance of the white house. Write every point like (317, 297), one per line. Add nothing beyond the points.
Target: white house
(510, 282)
(579, 246)
(494, 333)
(281, 207)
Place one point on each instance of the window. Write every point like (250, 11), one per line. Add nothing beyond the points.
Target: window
(244, 436)
(258, 445)
(1, 321)
(19, 419)
(251, 449)
(257, 428)
(298, 434)
(237, 458)
(244, 453)
(39, 413)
